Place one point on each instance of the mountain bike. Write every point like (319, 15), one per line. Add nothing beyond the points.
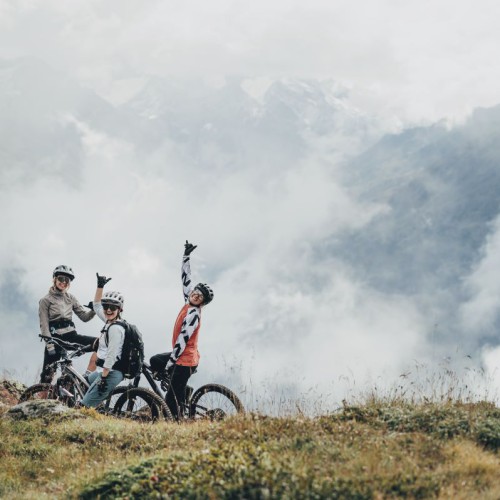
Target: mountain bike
(70, 386)
(209, 402)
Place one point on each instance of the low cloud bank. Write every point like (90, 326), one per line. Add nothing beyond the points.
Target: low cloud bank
(324, 285)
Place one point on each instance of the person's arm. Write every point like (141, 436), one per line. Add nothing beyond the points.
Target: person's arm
(101, 281)
(43, 314)
(115, 338)
(99, 311)
(187, 286)
(189, 325)
(83, 314)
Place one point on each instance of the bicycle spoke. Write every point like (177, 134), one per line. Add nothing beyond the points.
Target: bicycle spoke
(215, 402)
(141, 404)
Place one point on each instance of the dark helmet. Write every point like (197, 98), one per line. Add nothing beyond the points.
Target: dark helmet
(206, 291)
(65, 271)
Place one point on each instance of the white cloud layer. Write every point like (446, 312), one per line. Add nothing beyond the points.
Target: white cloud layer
(480, 312)
(281, 312)
(285, 312)
(415, 61)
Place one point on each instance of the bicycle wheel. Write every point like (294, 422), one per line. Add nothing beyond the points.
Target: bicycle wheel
(138, 403)
(39, 391)
(108, 405)
(214, 402)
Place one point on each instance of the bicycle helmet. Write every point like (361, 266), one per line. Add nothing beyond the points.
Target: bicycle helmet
(206, 291)
(65, 271)
(113, 298)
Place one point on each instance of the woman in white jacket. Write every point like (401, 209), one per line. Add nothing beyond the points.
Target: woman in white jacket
(108, 308)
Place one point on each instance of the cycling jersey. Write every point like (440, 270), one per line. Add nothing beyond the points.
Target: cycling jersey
(56, 311)
(186, 328)
(110, 341)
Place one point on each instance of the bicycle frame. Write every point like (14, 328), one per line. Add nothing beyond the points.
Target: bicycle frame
(79, 383)
(66, 368)
(147, 372)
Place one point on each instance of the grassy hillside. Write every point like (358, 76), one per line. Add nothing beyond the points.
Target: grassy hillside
(367, 452)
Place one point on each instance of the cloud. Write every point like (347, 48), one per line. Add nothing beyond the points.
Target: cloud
(491, 357)
(312, 278)
(281, 303)
(480, 312)
(399, 60)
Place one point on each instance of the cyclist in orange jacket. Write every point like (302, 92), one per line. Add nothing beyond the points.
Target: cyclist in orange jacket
(182, 362)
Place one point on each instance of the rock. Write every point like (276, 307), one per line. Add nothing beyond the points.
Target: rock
(10, 391)
(40, 408)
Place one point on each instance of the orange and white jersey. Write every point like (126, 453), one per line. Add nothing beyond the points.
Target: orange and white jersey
(187, 325)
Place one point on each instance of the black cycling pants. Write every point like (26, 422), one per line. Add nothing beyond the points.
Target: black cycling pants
(71, 337)
(176, 395)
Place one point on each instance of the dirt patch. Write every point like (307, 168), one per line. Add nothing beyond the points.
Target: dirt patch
(10, 391)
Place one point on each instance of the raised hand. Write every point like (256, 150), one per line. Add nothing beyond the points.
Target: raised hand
(188, 248)
(101, 280)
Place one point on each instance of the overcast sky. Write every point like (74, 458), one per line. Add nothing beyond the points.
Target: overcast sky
(283, 306)
(412, 61)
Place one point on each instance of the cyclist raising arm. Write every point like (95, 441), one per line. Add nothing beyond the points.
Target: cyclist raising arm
(56, 319)
(108, 308)
(184, 359)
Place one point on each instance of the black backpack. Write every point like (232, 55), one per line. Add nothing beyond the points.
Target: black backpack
(132, 357)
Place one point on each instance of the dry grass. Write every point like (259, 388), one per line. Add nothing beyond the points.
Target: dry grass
(369, 451)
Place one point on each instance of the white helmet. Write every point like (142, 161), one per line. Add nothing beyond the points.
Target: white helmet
(64, 270)
(113, 298)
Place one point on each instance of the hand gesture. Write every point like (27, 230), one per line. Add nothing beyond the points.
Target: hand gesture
(188, 248)
(101, 280)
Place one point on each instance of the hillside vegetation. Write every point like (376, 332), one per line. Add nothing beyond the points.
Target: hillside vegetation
(377, 450)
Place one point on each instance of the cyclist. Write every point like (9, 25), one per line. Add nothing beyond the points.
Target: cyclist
(182, 362)
(56, 320)
(108, 308)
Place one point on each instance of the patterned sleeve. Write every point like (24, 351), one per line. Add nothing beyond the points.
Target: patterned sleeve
(187, 286)
(189, 325)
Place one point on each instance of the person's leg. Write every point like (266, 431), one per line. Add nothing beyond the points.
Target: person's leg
(76, 338)
(177, 392)
(93, 397)
(48, 372)
(92, 378)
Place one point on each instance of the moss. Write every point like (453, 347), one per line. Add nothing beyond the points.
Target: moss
(480, 421)
(487, 432)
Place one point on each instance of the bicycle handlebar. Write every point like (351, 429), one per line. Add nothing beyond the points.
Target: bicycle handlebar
(77, 349)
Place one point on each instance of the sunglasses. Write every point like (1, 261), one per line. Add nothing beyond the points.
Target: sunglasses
(63, 279)
(111, 307)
